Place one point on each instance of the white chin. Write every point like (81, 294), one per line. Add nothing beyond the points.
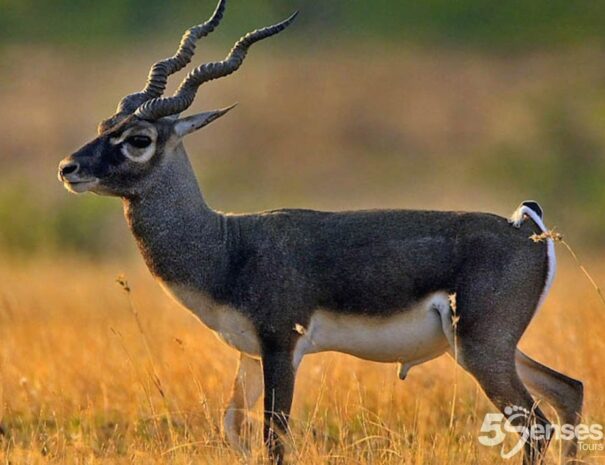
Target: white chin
(81, 187)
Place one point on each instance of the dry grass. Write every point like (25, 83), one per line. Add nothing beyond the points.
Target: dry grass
(80, 386)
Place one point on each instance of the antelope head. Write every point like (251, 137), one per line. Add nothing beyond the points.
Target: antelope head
(144, 135)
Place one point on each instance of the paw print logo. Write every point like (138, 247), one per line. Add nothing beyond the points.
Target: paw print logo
(514, 420)
(517, 421)
(515, 411)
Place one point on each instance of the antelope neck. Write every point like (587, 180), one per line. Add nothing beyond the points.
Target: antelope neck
(182, 240)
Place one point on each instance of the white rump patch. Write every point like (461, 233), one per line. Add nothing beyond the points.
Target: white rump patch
(517, 218)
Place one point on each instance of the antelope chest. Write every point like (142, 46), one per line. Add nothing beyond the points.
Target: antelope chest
(226, 322)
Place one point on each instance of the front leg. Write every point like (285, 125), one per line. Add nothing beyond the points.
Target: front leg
(278, 374)
(247, 388)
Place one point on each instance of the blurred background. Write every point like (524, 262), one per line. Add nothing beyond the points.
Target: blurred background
(433, 104)
(466, 105)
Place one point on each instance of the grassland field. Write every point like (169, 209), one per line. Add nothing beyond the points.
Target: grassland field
(93, 375)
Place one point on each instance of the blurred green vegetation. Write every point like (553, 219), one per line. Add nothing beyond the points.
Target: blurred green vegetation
(567, 172)
(31, 224)
(512, 23)
(316, 129)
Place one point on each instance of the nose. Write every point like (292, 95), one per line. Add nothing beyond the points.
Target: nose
(68, 167)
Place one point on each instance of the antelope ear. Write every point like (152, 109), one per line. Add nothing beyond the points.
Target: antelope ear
(192, 123)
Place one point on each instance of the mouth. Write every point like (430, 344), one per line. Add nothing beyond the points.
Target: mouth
(80, 186)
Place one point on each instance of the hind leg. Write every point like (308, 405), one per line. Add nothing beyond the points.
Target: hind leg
(496, 374)
(565, 394)
(494, 308)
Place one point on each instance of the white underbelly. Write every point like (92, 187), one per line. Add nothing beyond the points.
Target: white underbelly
(410, 336)
(414, 334)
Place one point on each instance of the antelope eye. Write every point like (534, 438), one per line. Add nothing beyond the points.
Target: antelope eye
(140, 142)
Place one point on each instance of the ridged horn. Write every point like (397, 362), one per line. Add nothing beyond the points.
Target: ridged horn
(159, 72)
(183, 98)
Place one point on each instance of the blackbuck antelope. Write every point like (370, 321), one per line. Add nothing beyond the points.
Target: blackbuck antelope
(280, 284)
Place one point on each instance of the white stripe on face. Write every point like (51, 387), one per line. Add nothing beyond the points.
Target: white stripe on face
(138, 155)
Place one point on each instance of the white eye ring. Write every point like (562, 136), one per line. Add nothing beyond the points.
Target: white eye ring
(138, 155)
